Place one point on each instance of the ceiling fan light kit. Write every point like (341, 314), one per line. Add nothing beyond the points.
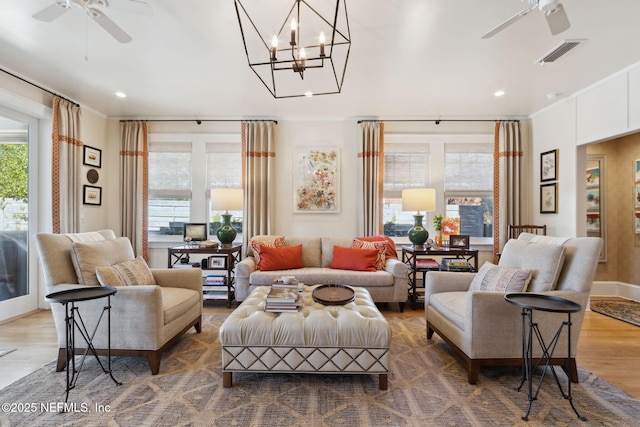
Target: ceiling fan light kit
(305, 54)
(553, 11)
(93, 8)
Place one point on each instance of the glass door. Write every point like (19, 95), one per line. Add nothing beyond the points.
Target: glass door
(18, 294)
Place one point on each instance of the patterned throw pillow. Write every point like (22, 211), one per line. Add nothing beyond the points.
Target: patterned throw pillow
(128, 273)
(256, 245)
(380, 245)
(500, 279)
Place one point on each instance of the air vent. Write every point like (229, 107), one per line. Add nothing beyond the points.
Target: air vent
(558, 51)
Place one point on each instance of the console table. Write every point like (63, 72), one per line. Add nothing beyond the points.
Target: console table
(411, 255)
(530, 302)
(74, 321)
(221, 259)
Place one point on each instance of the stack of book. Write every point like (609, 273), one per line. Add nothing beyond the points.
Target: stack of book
(214, 283)
(427, 264)
(456, 264)
(281, 300)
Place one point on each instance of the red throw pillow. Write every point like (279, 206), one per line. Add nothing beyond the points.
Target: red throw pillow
(280, 258)
(391, 245)
(354, 259)
(380, 245)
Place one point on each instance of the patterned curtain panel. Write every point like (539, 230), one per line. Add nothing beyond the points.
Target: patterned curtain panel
(258, 158)
(66, 166)
(507, 191)
(371, 173)
(134, 184)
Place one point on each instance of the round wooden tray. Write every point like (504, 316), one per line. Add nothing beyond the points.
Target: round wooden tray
(333, 294)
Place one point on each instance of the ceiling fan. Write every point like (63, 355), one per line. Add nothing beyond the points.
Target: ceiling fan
(93, 8)
(553, 12)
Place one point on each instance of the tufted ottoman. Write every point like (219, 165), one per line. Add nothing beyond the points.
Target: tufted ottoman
(342, 339)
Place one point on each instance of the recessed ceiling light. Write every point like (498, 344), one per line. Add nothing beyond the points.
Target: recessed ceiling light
(121, 94)
(499, 93)
(308, 94)
(553, 95)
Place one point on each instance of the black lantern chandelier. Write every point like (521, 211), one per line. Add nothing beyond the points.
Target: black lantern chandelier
(302, 53)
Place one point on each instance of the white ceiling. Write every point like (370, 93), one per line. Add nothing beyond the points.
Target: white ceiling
(409, 59)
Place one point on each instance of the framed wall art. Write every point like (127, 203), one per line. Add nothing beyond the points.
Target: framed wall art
(549, 166)
(91, 195)
(549, 198)
(91, 156)
(637, 222)
(637, 170)
(316, 180)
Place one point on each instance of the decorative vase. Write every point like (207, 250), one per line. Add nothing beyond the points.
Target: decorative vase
(226, 233)
(439, 238)
(418, 234)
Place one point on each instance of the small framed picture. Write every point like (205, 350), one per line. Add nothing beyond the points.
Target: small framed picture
(637, 170)
(458, 241)
(548, 166)
(92, 195)
(92, 156)
(217, 262)
(637, 222)
(549, 198)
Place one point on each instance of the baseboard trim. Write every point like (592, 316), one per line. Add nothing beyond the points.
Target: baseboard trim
(616, 289)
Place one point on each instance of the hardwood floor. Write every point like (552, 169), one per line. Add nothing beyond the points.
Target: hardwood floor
(607, 347)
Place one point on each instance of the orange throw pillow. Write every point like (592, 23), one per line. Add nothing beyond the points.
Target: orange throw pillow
(354, 259)
(380, 245)
(391, 245)
(280, 258)
(257, 246)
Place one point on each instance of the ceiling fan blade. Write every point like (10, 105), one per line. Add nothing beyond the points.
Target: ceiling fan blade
(558, 20)
(50, 13)
(138, 7)
(110, 26)
(506, 23)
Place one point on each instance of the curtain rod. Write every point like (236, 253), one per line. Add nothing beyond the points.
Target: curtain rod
(39, 87)
(198, 121)
(438, 121)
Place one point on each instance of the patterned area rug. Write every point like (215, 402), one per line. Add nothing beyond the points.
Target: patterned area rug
(427, 386)
(618, 308)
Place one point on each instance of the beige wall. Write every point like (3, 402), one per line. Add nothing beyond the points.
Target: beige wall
(623, 245)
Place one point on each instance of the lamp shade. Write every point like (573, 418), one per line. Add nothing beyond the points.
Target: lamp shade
(417, 199)
(226, 199)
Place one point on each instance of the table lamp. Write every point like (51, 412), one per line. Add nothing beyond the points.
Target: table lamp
(226, 199)
(415, 199)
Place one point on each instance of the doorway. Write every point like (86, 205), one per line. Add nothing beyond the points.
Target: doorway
(18, 139)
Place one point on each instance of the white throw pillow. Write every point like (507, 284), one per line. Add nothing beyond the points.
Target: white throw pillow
(500, 279)
(543, 259)
(87, 256)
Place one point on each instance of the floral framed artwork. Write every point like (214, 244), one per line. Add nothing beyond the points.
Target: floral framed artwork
(316, 180)
(548, 166)
(91, 156)
(549, 198)
(92, 195)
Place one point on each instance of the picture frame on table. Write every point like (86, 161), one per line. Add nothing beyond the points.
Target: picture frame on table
(91, 195)
(91, 156)
(549, 198)
(217, 262)
(549, 166)
(458, 241)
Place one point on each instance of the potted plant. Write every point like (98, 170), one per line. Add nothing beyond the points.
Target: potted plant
(437, 222)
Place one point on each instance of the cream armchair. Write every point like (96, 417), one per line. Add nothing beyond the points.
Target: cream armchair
(485, 330)
(145, 319)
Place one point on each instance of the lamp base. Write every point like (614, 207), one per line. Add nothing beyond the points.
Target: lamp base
(418, 235)
(226, 233)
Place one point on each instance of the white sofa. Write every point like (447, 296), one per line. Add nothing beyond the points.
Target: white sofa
(388, 285)
(486, 330)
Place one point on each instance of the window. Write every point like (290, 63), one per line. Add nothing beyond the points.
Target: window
(182, 170)
(468, 186)
(459, 167)
(405, 166)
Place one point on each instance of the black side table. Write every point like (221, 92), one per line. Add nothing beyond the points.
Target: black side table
(69, 298)
(530, 302)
